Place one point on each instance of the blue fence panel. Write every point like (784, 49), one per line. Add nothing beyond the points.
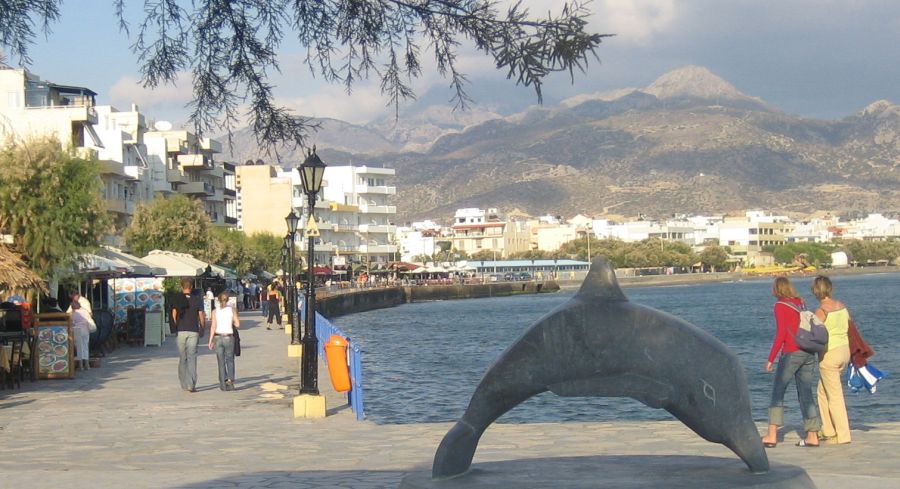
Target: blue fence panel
(324, 330)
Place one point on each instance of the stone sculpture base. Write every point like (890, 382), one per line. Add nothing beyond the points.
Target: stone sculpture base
(620, 472)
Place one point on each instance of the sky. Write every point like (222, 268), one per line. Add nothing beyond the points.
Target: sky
(822, 59)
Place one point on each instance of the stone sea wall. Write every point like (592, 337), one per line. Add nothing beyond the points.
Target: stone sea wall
(359, 300)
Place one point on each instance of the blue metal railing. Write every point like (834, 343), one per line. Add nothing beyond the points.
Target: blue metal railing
(324, 330)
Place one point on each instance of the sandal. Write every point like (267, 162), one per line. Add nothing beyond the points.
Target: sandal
(803, 444)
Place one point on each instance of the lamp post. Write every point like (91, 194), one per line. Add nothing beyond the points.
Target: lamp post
(590, 231)
(311, 172)
(292, 220)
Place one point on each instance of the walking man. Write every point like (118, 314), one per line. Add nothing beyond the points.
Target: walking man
(187, 310)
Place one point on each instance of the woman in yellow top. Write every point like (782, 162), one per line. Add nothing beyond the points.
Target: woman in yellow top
(832, 363)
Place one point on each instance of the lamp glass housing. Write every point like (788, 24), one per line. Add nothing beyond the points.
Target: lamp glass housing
(311, 173)
(292, 220)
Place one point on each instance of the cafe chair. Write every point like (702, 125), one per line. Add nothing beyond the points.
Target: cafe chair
(15, 364)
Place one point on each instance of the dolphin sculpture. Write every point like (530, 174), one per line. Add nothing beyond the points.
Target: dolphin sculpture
(598, 344)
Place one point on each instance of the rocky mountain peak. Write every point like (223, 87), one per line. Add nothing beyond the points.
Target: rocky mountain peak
(880, 108)
(693, 81)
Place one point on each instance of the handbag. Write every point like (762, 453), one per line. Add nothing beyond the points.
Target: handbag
(237, 343)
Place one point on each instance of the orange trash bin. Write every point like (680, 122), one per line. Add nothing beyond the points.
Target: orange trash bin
(336, 354)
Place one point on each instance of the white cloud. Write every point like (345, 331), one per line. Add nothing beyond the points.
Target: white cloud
(156, 103)
(359, 107)
(633, 21)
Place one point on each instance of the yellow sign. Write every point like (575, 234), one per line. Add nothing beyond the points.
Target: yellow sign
(312, 229)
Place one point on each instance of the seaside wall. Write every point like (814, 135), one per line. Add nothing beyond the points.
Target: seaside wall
(359, 301)
(350, 302)
(471, 291)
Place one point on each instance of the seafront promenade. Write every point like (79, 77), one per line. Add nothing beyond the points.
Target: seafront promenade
(128, 425)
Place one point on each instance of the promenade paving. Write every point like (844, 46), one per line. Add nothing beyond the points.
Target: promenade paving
(127, 424)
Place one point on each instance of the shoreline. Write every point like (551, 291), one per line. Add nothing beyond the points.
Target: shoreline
(724, 277)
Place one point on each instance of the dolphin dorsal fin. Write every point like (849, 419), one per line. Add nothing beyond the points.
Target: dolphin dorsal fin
(601, 282)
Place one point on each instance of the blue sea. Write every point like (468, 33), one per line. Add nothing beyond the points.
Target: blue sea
(422, 361)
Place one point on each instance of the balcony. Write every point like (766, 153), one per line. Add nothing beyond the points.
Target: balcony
(343, 228)
(175, 176)
(197, 188)
(112, 168)
(210, 145)
(377, 228)
(230, 193)
(372, 249)
(198, 162)
(232, 221)
(376, 189)
(217, 196)
(377, 209)
(82, 113)
(119, 206)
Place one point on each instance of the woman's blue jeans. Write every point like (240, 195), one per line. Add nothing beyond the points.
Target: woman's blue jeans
(801, 366)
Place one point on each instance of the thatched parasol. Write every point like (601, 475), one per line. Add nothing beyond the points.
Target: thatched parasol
(15, 275)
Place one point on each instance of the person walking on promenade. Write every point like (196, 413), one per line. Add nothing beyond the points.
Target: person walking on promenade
(832, 363)
(187, 310)
(793, 363)
(225, 322)
(273, 294)
(81, 325)
(263, 298)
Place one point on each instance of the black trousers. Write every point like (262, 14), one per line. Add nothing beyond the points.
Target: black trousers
(274, 311)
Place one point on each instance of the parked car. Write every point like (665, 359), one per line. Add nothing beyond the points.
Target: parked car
(525, 276)
(509, 276)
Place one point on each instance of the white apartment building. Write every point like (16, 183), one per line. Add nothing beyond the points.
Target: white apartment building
(874, 227)
(31, 107)
(354, 215)
(415, 243)
(179, 161)
(476, 230)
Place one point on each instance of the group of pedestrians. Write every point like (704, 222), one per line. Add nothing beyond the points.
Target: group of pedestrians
(822, 406)
(190, 319)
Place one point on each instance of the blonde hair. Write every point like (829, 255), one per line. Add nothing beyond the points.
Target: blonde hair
(223, 299)
(821, 287)
(783, 288)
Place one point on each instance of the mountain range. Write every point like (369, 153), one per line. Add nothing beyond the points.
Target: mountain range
(690, 142)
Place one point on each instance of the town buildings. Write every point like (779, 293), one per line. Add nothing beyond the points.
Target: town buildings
(136, 162)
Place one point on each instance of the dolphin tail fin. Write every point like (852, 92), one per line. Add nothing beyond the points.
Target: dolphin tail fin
(601, 282)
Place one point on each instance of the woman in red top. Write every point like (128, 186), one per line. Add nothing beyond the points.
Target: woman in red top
(793, 363)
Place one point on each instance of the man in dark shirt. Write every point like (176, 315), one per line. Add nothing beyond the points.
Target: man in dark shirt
(187, 311)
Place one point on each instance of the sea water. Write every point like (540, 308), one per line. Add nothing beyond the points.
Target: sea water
(422, 361)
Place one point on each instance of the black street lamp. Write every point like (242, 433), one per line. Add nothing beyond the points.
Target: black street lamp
(311, 172)
(290, 302)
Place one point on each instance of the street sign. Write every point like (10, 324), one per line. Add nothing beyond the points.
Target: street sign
(312, 229)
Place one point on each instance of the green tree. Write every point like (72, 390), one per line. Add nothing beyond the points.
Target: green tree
(50, 202)
(176, 223)
(715, 256)
(809, 253)
(265, 252)
(228, 247)
(231, 46)
(869, 252)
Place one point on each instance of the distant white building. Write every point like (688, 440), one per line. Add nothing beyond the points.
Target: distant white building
(358, 221)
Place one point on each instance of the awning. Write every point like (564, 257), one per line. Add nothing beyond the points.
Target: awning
(137, 267)
(99, 266)
(176, 264)
(322, 271)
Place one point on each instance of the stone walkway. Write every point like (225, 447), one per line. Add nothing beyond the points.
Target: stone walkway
(128, 425)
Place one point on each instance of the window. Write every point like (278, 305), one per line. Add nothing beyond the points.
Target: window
(12, 100)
